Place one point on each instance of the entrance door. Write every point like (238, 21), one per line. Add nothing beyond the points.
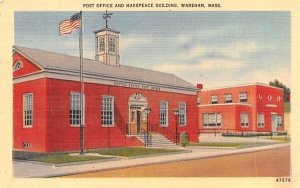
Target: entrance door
(274, 122)
(138, 121)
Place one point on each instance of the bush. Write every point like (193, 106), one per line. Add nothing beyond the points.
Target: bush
(252, 134)
(184, 139)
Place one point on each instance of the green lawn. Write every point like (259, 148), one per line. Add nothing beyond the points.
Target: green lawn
(134, 151)
(280, 139)
(228, 144)
(59, 158)
(64, 158)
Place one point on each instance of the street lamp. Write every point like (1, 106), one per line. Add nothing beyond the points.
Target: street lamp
(147, 111)
(176, 114)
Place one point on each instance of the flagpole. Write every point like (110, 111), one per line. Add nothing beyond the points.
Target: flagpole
(81, 87)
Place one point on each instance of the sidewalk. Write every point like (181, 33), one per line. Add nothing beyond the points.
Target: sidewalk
(35, 170)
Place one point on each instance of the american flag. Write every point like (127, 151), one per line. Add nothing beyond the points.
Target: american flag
(68, 26)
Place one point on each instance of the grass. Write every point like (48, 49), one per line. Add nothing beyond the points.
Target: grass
(64, 158)
(59, 158)
(280, 139)
(134, 151)
(228, 144)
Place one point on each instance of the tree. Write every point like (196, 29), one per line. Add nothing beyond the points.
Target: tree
(286, 90)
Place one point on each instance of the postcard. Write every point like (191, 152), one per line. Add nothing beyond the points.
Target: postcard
(127, 93)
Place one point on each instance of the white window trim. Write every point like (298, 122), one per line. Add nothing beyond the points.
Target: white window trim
(244, 126)
(83, 114)
(280, 124)
(207, 125)
(278, 98)
(182, 125)
(243, 96)
(214, 97)
(227, 96)
(258, 126)
(24, 103)
(167, 114)
(15, 68)
(113, 111)
(99, 44)
(112, 44)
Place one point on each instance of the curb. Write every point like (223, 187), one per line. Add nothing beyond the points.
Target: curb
(70, 163)
(240, 151)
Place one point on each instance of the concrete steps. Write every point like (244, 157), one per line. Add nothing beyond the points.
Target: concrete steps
(158, 141)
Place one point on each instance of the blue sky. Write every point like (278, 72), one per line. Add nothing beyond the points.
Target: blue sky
(213, 48)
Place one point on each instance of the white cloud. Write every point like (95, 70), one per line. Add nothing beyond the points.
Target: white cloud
(283, 75)
(182, 39)
(130, 41)
(219, 64)
(202, 66)
(190, 54)
(249, 76)
(238, 49)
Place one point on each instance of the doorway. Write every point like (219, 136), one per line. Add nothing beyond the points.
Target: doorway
(138, 123)
(137, 119)
(277, 122)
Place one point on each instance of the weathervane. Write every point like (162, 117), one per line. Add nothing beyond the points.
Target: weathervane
(106, 16)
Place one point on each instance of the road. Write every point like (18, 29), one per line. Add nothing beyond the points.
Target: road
(267, 163)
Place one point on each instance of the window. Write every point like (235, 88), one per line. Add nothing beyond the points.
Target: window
(26, 145)
(243, 97)
(28, 109)
(219, 119)
(214, 99)
(269, 97)
(18, 65)
(107, 111)
(228, 98)
(212, 119)
(163, 113)
(260, 96)
(244, 119)
(198, 101)
(182, 114)
(260, 120)
(279, 122)
(75, 110)
(278, 98)
(205, 120)
(101, 44)
(132, 116)
(112, 44)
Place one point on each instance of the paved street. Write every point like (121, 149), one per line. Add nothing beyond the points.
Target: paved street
(267, 163)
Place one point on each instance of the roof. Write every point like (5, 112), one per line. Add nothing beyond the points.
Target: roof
(107, 29)
(51, 60)
(242, 85)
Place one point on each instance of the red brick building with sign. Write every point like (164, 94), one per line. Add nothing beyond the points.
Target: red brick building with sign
(47, 94)
(251, 107)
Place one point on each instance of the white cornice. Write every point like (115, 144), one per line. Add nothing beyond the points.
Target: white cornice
(225, 104)
(241, 85)
(98, 79)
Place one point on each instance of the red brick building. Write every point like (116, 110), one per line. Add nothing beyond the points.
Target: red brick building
(47, 91)
(250, 107)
